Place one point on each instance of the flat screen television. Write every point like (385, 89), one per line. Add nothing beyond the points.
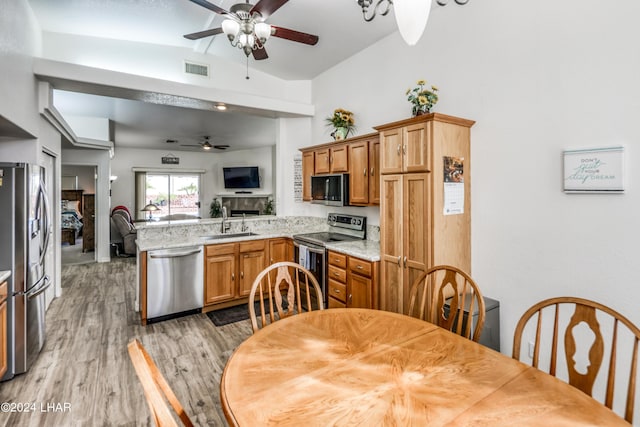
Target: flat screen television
(241, 177)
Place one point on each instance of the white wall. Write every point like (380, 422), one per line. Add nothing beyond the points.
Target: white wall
(538, 77)
(123, 189)
(86, 177)
(19, 42)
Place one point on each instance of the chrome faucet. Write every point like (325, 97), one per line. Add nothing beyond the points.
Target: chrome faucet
(243, 227)
(225, 225)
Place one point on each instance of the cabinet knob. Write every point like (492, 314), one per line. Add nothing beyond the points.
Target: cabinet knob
(372, 169)
(233, 276)
(337, 291)
(242, 274)
(359, 267)
(398, 149)
(335, 273)
(399, 261)
(404, 149)
(365, 172)
(350, 297)
(405, 262)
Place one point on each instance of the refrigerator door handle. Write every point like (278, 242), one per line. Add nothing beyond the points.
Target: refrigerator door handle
(38, 290)
(46, 221)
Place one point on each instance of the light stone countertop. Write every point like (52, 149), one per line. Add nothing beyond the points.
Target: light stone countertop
(365, 249)
(4, 275)
(176, 234)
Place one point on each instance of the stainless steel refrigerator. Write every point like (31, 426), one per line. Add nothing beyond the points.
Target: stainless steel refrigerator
(25, 229)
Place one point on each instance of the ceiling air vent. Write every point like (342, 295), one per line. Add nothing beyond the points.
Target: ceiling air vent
(197, 69)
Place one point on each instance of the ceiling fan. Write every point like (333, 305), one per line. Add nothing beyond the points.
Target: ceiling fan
(206, 145)
(245, 27)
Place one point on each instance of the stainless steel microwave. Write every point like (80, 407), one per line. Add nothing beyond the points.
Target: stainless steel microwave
(330, 190)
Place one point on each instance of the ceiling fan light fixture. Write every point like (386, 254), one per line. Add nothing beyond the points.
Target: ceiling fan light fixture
(411, 17)
(230, 28)
(206, 146)
(221, 107)
(263, 31)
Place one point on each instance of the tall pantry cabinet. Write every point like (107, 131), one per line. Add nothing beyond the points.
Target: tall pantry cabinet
(422, 159)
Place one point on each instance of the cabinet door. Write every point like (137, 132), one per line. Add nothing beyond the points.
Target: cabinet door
(251, 264)
(391, 151)
(359, 289)
(88, 222)
(359, 173)
(391, 243)
(374, 172)
(220, 278)
(415, 148)
(323, 163)
(279, 250)
(339, 159)
(416, 230)
(308, 165)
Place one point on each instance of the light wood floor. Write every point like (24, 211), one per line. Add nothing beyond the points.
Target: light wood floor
(85, 361)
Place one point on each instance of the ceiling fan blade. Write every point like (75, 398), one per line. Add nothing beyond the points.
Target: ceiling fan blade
(296, 36)
(267, 7)
(210, 6)
(261, 53)
(205, 33)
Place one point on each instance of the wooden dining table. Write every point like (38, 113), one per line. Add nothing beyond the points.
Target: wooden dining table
(369, 367)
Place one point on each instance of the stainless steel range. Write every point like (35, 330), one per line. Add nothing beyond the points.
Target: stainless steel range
(310, 248)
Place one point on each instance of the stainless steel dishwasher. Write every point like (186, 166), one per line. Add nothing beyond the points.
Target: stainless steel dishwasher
(174, 282)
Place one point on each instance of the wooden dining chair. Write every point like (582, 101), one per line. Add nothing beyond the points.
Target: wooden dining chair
(448, 297)
(301, 287)
(590, 314)
(156, 389)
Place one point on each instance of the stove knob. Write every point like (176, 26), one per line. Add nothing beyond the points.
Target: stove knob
(353, 221)
(359, 222)
(332, 218)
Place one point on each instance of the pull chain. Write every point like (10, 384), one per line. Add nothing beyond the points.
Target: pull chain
(247, 67)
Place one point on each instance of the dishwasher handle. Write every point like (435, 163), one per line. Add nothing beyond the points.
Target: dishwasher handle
(176, 255)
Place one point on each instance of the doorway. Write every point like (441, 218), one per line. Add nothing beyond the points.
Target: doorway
(78, 214)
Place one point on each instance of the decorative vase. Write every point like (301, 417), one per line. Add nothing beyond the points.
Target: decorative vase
(340, 133)
(417, 111)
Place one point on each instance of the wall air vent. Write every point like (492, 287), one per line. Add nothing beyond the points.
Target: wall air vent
(197, 69)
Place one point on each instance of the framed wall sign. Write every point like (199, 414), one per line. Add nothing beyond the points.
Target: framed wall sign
(598, 170)
(170, 159)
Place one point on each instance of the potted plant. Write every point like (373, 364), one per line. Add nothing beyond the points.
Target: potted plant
(342, 122)
(269, 208)
(215, 209)
(422, 99)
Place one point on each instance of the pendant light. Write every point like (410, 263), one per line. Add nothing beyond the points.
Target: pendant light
(411, 17)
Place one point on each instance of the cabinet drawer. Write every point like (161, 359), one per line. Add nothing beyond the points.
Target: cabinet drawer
(334, 303)
(253, 245)
(222, 249)
(337, 274)
(337, 290)
(359, 266)
(3, 291)
(337, 259)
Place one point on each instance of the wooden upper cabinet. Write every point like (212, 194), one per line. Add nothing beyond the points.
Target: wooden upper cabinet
(374, 171)
(359, 173)
(405, 149)
(364, 165)
(308, 167)
(332, 160)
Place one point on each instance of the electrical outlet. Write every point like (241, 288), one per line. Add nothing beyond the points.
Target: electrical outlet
(531, 347)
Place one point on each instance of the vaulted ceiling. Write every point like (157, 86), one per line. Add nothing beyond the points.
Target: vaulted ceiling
(339, 25)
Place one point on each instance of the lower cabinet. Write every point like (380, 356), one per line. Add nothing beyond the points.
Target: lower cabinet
(351, 281)
(3, 328)
(231, 268)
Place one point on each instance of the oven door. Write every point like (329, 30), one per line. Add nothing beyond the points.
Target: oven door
(317, 267)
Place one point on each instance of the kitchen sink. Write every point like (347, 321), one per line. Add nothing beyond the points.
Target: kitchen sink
(229, 235)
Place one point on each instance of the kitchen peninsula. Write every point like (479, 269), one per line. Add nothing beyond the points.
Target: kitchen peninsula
(247, 246)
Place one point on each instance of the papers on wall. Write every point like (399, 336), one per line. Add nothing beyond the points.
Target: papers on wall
(297, 178)
(453, 185)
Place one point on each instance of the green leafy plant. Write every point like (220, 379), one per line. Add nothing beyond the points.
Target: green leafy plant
(215, 210)
(269, 208)
(422, 99)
